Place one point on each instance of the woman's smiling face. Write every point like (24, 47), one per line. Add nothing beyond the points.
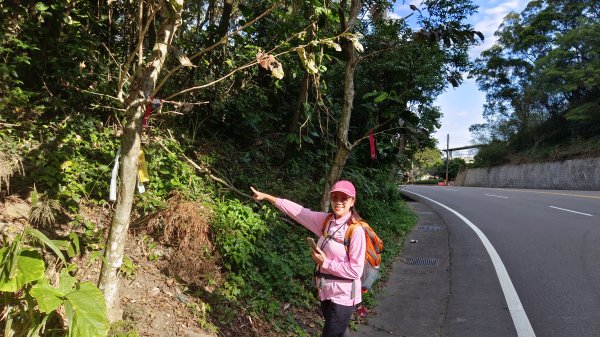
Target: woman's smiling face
(341, 203)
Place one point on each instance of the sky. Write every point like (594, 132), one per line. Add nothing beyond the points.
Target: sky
(463, 106)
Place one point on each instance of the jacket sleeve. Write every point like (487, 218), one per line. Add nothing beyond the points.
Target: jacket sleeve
(352, 267)
(312, 220)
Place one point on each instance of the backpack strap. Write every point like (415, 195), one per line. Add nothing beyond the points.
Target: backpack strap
(325, 233)
(349, 233)
(347, 236)
(325, 223)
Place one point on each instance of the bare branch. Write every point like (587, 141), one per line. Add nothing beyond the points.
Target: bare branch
(111, 108)
(374, 134)
(137, 50)
(120, 98)
(99, 94)
(171, 112)
(215, 81)
(140, 34)
(177, 103)
(380, 51)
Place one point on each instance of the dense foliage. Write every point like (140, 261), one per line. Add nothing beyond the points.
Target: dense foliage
(542, 81)
(449, 169)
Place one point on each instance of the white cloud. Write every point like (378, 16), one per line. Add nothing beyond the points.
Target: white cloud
(394, 16)
(490, 18)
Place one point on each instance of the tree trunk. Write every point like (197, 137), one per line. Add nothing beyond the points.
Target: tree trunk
(343, 146)
(221, 33)
(298, 109)
(143, 85)
(225, 18)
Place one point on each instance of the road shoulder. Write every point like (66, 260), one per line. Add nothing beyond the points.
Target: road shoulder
(414, 300)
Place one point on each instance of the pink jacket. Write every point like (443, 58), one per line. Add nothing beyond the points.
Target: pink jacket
(339, 263)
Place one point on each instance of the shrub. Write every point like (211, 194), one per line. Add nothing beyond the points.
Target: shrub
(237, 230)
(493, 154)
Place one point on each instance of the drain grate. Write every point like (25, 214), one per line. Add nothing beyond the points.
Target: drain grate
(429, 228)
(421, 261)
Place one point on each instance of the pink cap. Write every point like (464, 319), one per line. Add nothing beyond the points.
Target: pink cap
(345, 187)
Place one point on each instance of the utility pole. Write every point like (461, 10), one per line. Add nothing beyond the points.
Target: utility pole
(447, 156)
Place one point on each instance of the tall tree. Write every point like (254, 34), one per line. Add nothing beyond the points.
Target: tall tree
(143, 84)
(348, 19)
(400, 102)
(541, 78)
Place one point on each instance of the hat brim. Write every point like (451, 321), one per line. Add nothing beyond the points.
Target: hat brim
(346, 192)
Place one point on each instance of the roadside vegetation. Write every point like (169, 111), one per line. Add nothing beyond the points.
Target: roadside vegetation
(230, 254)
(542, 85)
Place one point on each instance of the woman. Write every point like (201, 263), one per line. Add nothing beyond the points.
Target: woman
(339, 268)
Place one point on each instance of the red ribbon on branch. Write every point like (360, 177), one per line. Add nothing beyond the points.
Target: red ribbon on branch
(372, 143)
(152, 105)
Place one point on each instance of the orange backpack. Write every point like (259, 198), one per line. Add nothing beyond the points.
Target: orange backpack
(372, 255)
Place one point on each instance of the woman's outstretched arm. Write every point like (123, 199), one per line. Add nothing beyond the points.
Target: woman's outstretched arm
(263, 196)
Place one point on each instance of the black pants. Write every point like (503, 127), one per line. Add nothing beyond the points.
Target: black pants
(337, 317)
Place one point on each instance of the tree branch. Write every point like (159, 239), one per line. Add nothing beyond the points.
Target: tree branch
(98, 94)
(248, 65)
(211, 83)
(136, 51)
(376, 133)
(216, 44)
(207, 171)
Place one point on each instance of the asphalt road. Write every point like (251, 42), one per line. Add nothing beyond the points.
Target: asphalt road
(548, 243)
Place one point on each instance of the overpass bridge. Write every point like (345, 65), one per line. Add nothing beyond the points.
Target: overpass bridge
(461, 148)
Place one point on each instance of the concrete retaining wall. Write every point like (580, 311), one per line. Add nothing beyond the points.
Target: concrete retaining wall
(576, 174)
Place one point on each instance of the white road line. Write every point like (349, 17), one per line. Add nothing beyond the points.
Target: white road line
(496, 196)
(517, 312)
(450, 189)
(568, 210)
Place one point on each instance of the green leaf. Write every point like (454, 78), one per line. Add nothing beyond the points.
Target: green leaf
(308, 139)
(48, 297)
(29, 267)
(62, 244)
(66, 282)
(70, 251)
(292, 138)
(86, 310)
(371, 94)
(38, 326)
(34, 196)
(382, 97)
(40, 236)
(74, 246)
(41, 7)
